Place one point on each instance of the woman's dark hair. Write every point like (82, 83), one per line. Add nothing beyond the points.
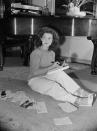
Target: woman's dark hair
(39, 34)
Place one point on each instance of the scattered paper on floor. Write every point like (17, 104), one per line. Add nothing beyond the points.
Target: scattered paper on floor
(62, 121)
(41, 107)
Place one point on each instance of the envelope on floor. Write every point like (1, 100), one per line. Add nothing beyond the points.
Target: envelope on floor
(62, 121)
(41, 107)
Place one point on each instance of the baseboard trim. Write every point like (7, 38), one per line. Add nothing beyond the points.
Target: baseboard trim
(77, 60)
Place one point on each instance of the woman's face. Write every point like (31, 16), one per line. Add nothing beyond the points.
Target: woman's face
(47, 40)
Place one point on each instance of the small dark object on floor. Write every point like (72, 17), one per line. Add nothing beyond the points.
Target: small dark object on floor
(93, 72)
(1, 68)
(27, 104)
(3, 93)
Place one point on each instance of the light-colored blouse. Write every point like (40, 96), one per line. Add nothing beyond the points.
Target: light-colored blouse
(40, 58)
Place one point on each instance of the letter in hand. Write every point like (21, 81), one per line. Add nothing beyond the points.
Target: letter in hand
(64, 63)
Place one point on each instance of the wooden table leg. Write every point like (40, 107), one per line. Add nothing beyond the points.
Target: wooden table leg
(94, 59)
(28, 48)
(1, 58)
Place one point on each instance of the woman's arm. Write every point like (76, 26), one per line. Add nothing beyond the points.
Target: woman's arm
(44, 70)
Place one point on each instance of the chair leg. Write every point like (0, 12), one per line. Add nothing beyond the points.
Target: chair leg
(1, 58)
(28, 48)
(25, 54)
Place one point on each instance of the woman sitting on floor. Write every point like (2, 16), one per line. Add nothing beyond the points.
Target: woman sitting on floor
(57, 84)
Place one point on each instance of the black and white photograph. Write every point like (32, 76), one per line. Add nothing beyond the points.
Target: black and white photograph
(48, 65)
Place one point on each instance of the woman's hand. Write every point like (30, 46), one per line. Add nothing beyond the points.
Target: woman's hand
(55, 64)
(65, 64)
